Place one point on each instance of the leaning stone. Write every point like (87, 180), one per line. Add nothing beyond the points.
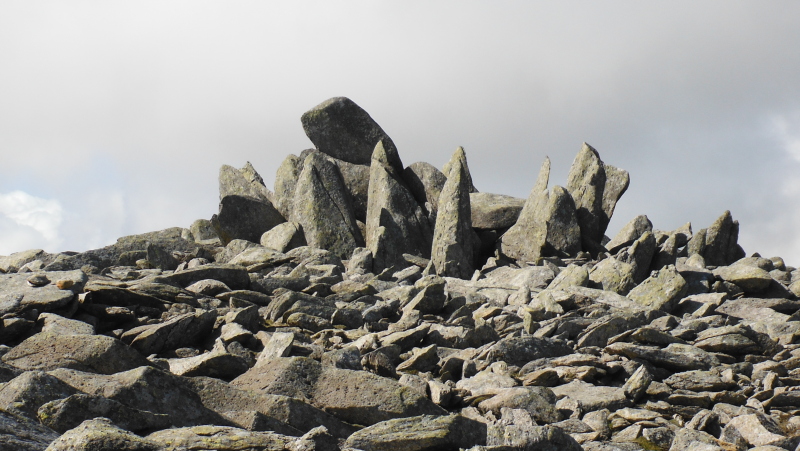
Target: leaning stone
(756, 430)
(324, 209)
(285, 183)
(585, 183)
(93, 353)
(218, 438)
(675, 357)
(64, 414)
(452, 251)
(636, 385)
(640, 255)
(178, 332)
(102, 434)
(748, 278)
(355, 177)
(617, 182)
(547, 226)
(494, 211)
(420, 433)
(221, 365)
(661, 291)
(242, 182)
(284, 237)
(629, 233)
(27, 392)
(720, 241)
(244, 218)
(395, 222)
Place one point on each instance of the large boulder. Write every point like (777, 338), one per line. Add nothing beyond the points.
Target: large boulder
(719, 244)
(182, 330)
(494, 211)
(242, 217)
(629, 233)
(18, 295)
(453, 249)
(218, 438)
(242, 182)
(101, 434)
(395, 222)
(420, 433)
(460, 157)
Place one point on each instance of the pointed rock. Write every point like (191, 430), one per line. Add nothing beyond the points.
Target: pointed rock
(355, 177)
(395, 222)
(426, 183)
(343, 130)
(640, 255)
(323, 208)
(629, 233)
(585, 183)
(721, 241)
(284, 237)
(661, 291)
(543, 179)
(452, 253)
(242, 182)
(285, 183)
(547, 226)
(617, 182)
(461, 157)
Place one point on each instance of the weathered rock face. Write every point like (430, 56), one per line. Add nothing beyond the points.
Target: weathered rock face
(244, 218)
(312, 340)
(396, 224)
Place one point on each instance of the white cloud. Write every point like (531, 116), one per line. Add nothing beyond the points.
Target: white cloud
(29, 219)
(787, 130)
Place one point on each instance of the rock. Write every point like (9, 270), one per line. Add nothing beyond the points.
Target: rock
(521, 350)
(617, 182)
(17, 296)
(640, 256)
(30, 390)
(63, 326)
(611, 274)
(218, 438)
(64, 414)
(355, 177)
(756, 430)
(242, 217)
(285, 183)
(203, 231)
(395, 222)
(323, 207)
(17, 260)
(147, 389)
(591, 398)
(340, 128)
(426, 183)
(460, 158)
(284, 237)
(357, 397)
(453, 248)
(636, 386)
(93, 353)
(629, 233)
(748, 278)
(720, 241)
(539, 402)
(180, 331)
(101, 434)
(243, 182)
(547, 226)
(221, 365)
(675, 357)
(18, 433)
(420, 433)
(233, 276)
(530, 437)
(661, 291)
(494, 211)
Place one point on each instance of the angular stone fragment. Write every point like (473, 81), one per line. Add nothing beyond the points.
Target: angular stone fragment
(27, 392)
(285, 183)
(355, 177)
(17, 260)
(721, 241)
(617, 182)
(101, 434)
(636, 385)
(64, 414)
(245, 218)
(426, 183)
(756, 430)
(242, 182)
(640, 255)
(453, 248)
(18, 296)
(341, 129)
(494, 211)
(93, 353)
(699, 381)
(547, 226)
(234, 276)
(629, 233)
(420, 433)
(661, 291)
(521, 350)
(748, 278)
(323, 207)
(675, 357)
(590, 397)
(18, 433)
(218, 438)
(221, 365)
(539, 402)
(182, 330)
(611, 274)
(284, 237)
(460, 157)
(395, 222)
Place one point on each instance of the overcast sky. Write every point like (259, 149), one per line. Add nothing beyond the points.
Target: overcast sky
(116, 116)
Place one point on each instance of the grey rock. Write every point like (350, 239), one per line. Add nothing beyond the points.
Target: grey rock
(460, 157)
(18, 433)
(721, 241)
(245, 218)
(529, 437)
(355, 177)
(494, 211)
(591, 397)
(611, 274)
(340, 128)
(748, 278)
(203, 231)
(147, 389)
(629, 233)
(234, 276)
(218, 438)
(667, 253)
(539, 402)
(284, 237)
(221, 365)
(426, 183)
(521, 350)
(586, 183)
(571, 276)
(636, 386)
(94, 353)
(64, 414)
(699, 381)
(617, 182)
(242, 182)
(640, 255)
(323, 207)
(453, 248)
(159, 257)
(63, 326)
(285, 183)
(357, 397)
(180, 331)
(420, 433)
(17, 260)
(675, 357)
(30, 390)
(101, 434)
(756, 430)
(547, 226)
(395, 222)
(18, 296)
(661, 291)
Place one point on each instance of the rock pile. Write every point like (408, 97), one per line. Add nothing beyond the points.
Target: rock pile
(367, 305)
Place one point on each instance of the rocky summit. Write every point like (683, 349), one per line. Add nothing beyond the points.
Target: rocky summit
(366, 305)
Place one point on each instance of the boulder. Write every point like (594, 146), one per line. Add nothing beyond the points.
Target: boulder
(395, 222)
(720, 241)
(661, 291)
(18, 433)
(64, 414)
(284, 237)
(182, 330)
(494, 211)
(629, 233)
(101, 434)
(420, 433)
(426, 183)
(242, 217)
(453, 248)
(18, 296)
(243, 182)
(218, 438)
(460, 158)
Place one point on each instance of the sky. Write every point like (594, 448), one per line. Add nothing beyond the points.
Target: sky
(116, 116)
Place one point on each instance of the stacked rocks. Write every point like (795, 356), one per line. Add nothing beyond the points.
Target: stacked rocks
(367, 305)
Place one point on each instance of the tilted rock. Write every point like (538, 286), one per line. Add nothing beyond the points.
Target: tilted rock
(218, 438)
(242, 182)
(591, 397)
(720, 241)
(284, 237)
(613, 275)
(182, 330)
(420, 433)
(340, 128)
(748, 278)
(64, 414)
(323, 208)
(285, 184)
(101, 433)
(426, 183)
(395, 222)
(494, 211)
(30, 390)
(547, 226)
(242, 217)
(661, 291)
(639, 255)
(453, 248)
(94, 353)
(595, 192)
(460, 157)
(17, 260)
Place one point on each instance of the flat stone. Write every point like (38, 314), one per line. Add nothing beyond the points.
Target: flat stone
(218, 438)
(591, 397)
(494, 211)
(748, 278)
(661, 291)
(19, 433)
(675, 357)
(245, 218)
(101, 433)
(18, 296)
(420, 433)
(64, 414)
